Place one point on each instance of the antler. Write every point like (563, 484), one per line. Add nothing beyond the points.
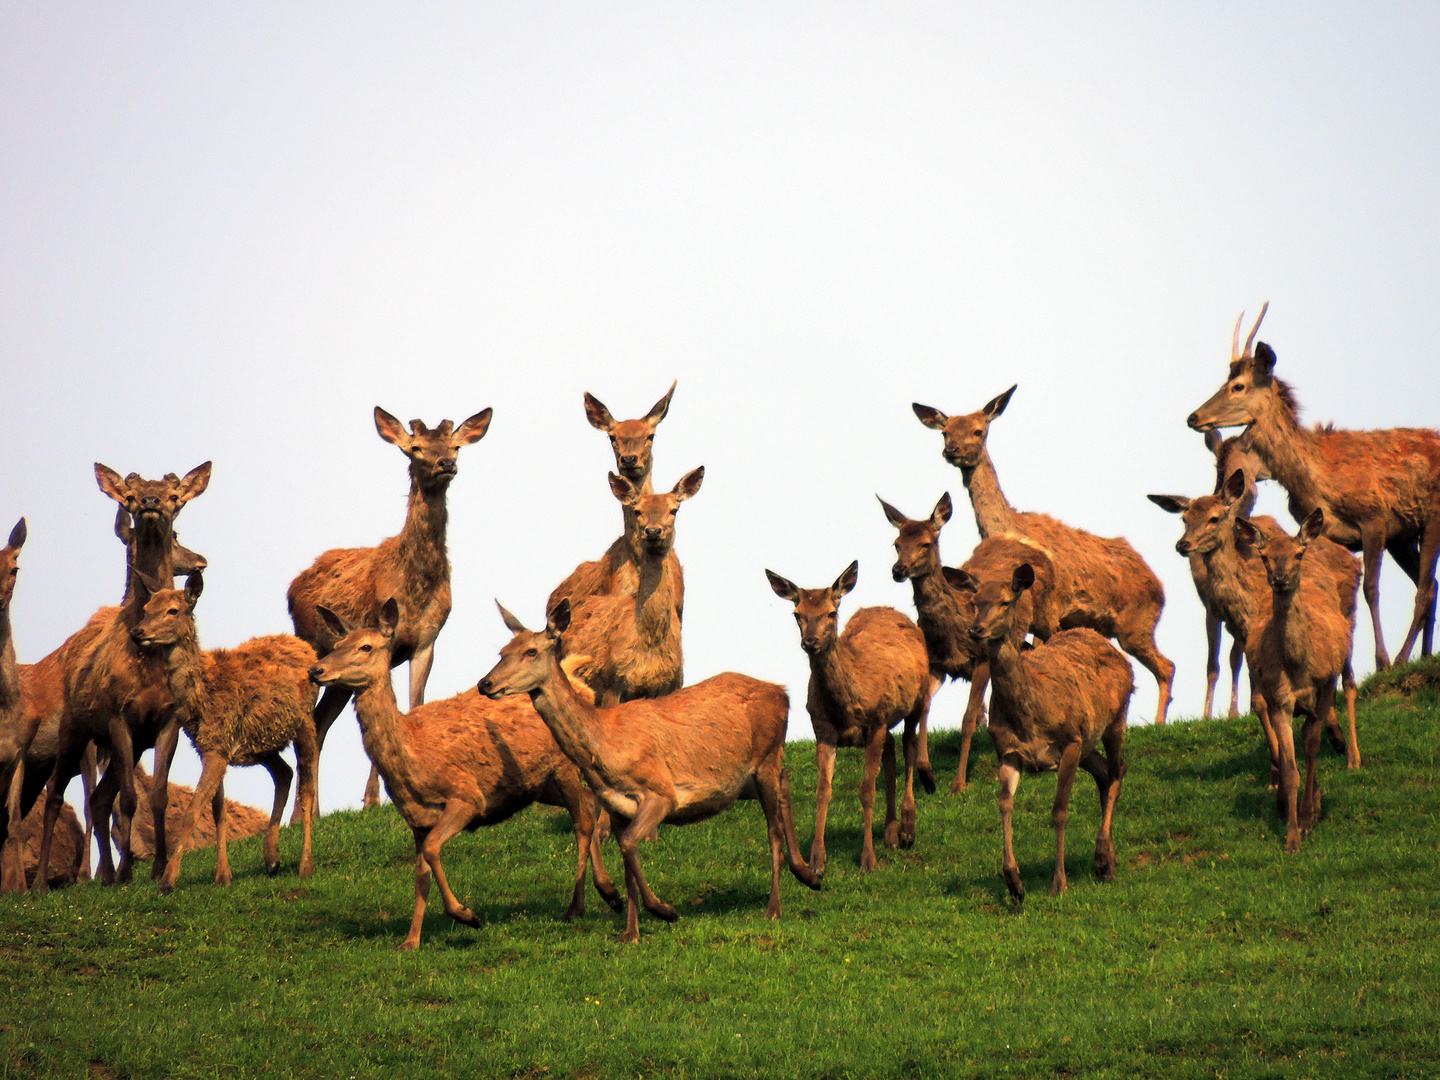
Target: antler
(1235, 340)
(1256, 328)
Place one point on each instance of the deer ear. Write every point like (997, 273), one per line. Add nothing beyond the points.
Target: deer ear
(895, 517)
(931, 418)
(514, 625)
(1235, 486)
(122, 525)
(661, 407)
(1314, 525)
(17, 535)
(623, 489)
(783, 587)
(1023, 577)
(559, 620)
(1246, 533)
(995, 406)
(194, 586)
(337, 626)
(596, 412)
(390, 429)
(389, 617)
(943, 509)
(195, 482)
(474, 429)
(110, 482)
(689, 484)
(846, 581)
(148, 585)
(1171, 504)
(1264, 365)
(1213, 441)
(960, 579)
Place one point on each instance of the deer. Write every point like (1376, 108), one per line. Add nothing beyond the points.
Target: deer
(12, 705)
(632, 642)
(1234, 587)
(241, 821)
(456, 764)
(1302, 650)
(1100, 583)
(1050, 707)
(412, 568)
(617, 572)
(681, 758)
(1380, 490)
(944, 614)
(862, 683)
(115, 692)
(239, 706)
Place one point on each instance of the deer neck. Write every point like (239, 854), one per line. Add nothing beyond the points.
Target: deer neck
(654, 598)
(9, 672)
(382, 729)
(1010, 676)
(152, 553)
(1230, 585)
(574, 723)
(993, 512)
(1294, 625)
(187, 676)
(1290, 453)
(835, 670)
(422, 542)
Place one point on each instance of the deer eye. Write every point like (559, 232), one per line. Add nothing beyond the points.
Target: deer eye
(174, 611)
(532, 652)
(365, 648)
(649, 438)
(1237, 388)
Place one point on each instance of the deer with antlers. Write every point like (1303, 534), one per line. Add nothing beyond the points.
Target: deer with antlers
(1050, 708)
(413, 568)
(862, 683)
(1380, 490)
(680, 759)
(1100, 583)
(115, 692)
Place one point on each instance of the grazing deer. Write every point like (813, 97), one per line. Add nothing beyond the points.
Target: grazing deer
(1100, 583)
(456, 764)
(239, 706)
(115, 692)
(633, 641)
(413, 568)
(678, 759)
(1380, 490)
(862, 683)
(1049, 708)
(1302, 650)
(617, 571)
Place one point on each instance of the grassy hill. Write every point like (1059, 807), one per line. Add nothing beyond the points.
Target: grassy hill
(1214, 954)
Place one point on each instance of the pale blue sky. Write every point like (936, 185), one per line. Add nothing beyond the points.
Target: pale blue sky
(229, 232)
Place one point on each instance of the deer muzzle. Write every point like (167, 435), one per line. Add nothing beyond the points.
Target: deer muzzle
(1183, 546)
(899, 571)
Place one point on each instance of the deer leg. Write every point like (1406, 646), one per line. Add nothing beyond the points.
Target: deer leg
(651, 812)
(887, 764)
(767, 787)
(1212, 662)
(281, 774)
(327, 710)
(1237, 659)
(212, 771)
(581, 805)
(422, 894)
(604, 884)
(922, 760)
(1424, 590)
(1372, 552)
(1261, 708)
(122, 794)
(1009, 868)
(907, 803)
(12, 857)
(222, 839)
(1140, 643)
(974, 710)
(874, 751)
(1324, 707)
(825, 770)
(165, 745)
(1283, 718)
(89, 768)
(306, 759)
(110, 794)
(453, 819)
(1060, 813)
(67, 763)
(1352, 749)
(780, 785)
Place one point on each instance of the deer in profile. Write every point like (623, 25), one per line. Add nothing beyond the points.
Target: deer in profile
(1102, 584)
(679, 759)
(413, 568)
(115, 692)
(1302, 651)
(239, 706)
(862, 683)
(1380, 490)
(1050, 707)
(456, 764)
(618, 570)
(632, 641)
(12, 706)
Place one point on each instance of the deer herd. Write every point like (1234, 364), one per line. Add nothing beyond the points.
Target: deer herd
(590, 712)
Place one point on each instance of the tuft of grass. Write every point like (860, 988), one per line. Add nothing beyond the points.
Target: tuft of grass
(1214, 954)
(1418, 681)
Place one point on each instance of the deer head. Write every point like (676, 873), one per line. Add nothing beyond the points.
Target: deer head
(361, 656)
(153, 504)
(998, 614)
(964, 435)
(1250, 390)
(10, 563)
(817, 611)
(655, 513)
(529, 660)
(1209, 518)
(1232, 454)
(1282, 555)
(169, 614)
(186, 562)
(433, 453)
(632, 440)
(917, 548)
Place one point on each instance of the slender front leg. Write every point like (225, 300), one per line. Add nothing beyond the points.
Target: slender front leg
(652, 811)
(1352, 748)
(887, 765)
(974, 710)
(604, 884)
(1060, 813)
(89, 776)
(67, 762)
(12, 859)
(332, 701)
(1237, 658)
(281, 774)
(212, 770)
(1282, 717)
(922, 761)
(1212, 662)
(1009, 780)
(422, 894)
(874, 751)
(825, 771)
(306, 760)
(1372, 551)
(454, 819)
(1114, 740)
(1423, 621)
(122, 793)
(907, 802)
(217, 814)
(165, 745)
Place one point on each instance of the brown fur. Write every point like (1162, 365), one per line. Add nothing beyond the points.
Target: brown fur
(114, 691)
(66, 847)
(1380, 490)
(1301, 651)
(458, 764)
(241, 820)
(1100, 583)
(239, 706)
(15, 732)
(1049, 709)
(413, 568)
(677, 759)
(862, 683)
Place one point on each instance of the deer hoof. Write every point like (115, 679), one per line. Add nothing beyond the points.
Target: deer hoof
(166, 888)
(467, 918)
(1013, 883)
(892, 834)
(927, 777)
(665, 911)
(271, 869)
(867, 861)
(407, 945)
(629, 937)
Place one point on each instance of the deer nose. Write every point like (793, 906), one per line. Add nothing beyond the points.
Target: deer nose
(627, 461)
(1183, 546)
(150, 502)
(652, 532)
(448, 464)
(899, 571)
(1193, 420)
(315, 673)
(975, 632)
(486, 686)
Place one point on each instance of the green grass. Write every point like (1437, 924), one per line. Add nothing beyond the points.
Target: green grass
(1214, 954)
